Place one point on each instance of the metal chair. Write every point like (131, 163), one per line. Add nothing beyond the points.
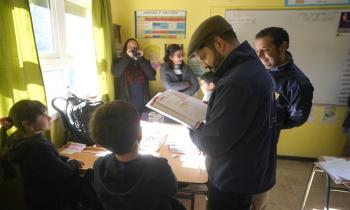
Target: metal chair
(328, 188)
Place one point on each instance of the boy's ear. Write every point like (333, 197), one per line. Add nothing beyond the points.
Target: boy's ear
(25, 124)
(211, 86)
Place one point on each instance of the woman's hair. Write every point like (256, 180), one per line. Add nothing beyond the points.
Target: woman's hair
(24, 110)
(170, 51)
(125, 48)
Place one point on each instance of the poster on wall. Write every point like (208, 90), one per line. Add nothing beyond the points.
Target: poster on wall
(329, 114)
(316, 2)
(168, 24)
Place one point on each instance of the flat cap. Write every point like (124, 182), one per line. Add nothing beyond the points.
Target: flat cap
(208, 29)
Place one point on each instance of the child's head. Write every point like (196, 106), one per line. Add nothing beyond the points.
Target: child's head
(29, 116)
(208, 81)
(116, 126)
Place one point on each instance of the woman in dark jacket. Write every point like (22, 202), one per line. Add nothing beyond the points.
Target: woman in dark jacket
(175, 74)
(133, 72)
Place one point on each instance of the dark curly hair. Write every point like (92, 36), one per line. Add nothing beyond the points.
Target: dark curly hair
(170, 51)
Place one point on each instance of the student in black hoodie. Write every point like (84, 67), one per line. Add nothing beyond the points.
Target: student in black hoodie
(124, 179)
(49, 179)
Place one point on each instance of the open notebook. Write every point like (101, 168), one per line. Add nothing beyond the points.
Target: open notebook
(180, 107)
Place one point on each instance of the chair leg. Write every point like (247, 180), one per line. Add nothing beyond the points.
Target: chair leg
(327, 191)
(192, 201)
(307, 189)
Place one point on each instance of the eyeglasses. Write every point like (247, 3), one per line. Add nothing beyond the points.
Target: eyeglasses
(179, 55)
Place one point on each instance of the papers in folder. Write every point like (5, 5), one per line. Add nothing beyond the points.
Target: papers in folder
(338, 169)
(180, 107)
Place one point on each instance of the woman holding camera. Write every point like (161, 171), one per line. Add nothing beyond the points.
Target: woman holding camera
(175, 74)
(133, 72)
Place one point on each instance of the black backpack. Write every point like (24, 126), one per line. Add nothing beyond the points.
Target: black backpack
(75, 113)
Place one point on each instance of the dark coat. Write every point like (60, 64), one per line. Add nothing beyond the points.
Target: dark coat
(171, 81)
(140, 64)
(294, 95)
(46, 174)
(239, 136)
(144, 183)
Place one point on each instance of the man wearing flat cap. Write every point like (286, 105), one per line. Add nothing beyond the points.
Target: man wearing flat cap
(239, 136)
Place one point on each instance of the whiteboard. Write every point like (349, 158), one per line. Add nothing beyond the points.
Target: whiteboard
(319, 49)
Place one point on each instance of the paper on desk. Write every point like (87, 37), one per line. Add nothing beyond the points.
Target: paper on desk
(103, 153)
(338, 169)
(73, 147)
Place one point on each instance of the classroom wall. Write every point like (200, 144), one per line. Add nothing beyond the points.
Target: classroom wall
(315, 138)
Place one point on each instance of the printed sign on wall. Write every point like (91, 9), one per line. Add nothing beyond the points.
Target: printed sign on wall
(169, 24)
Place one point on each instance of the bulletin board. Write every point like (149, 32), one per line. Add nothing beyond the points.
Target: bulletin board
(319, 43)
(169, 24)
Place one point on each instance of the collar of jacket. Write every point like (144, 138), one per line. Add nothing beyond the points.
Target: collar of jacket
(238, 55)
(285, 65)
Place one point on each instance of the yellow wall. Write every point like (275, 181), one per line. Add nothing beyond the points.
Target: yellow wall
(311, 140)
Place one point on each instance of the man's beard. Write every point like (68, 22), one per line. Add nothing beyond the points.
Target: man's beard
(218, 59)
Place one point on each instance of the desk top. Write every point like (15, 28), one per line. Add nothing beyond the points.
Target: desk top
(190, 172)
(188, 168)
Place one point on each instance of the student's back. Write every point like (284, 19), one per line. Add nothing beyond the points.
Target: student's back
(144, 183)
(126, 180)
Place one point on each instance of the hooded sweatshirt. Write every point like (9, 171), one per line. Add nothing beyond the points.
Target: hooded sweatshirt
(45, 173)
(144, 183)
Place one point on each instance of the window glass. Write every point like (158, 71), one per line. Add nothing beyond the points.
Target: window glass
(73, 66)
(42, 24)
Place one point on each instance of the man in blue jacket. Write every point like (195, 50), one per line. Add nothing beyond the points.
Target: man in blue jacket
(239, 136)
(294, 91)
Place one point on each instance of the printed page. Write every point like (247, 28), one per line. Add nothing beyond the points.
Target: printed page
(182, 107)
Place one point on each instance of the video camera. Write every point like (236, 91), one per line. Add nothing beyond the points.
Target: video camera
(135, 52)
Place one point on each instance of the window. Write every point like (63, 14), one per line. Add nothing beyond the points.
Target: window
(64, 38)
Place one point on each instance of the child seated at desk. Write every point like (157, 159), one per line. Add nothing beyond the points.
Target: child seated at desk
(125, 179)
(49, 179)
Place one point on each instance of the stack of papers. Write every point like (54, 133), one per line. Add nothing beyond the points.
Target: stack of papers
(337, 168)
(153, 137)
(73, 147)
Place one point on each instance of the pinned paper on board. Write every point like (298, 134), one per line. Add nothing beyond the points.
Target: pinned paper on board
(329, 114)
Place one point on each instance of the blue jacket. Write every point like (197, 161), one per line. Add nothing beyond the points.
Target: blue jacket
(239, 136)
(294, 95)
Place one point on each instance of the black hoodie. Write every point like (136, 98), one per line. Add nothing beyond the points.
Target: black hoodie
(45, 173)
(144, 183)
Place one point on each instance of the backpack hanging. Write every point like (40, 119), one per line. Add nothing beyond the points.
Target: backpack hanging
(75, 114)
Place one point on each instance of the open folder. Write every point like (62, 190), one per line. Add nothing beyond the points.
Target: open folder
(180, 107)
